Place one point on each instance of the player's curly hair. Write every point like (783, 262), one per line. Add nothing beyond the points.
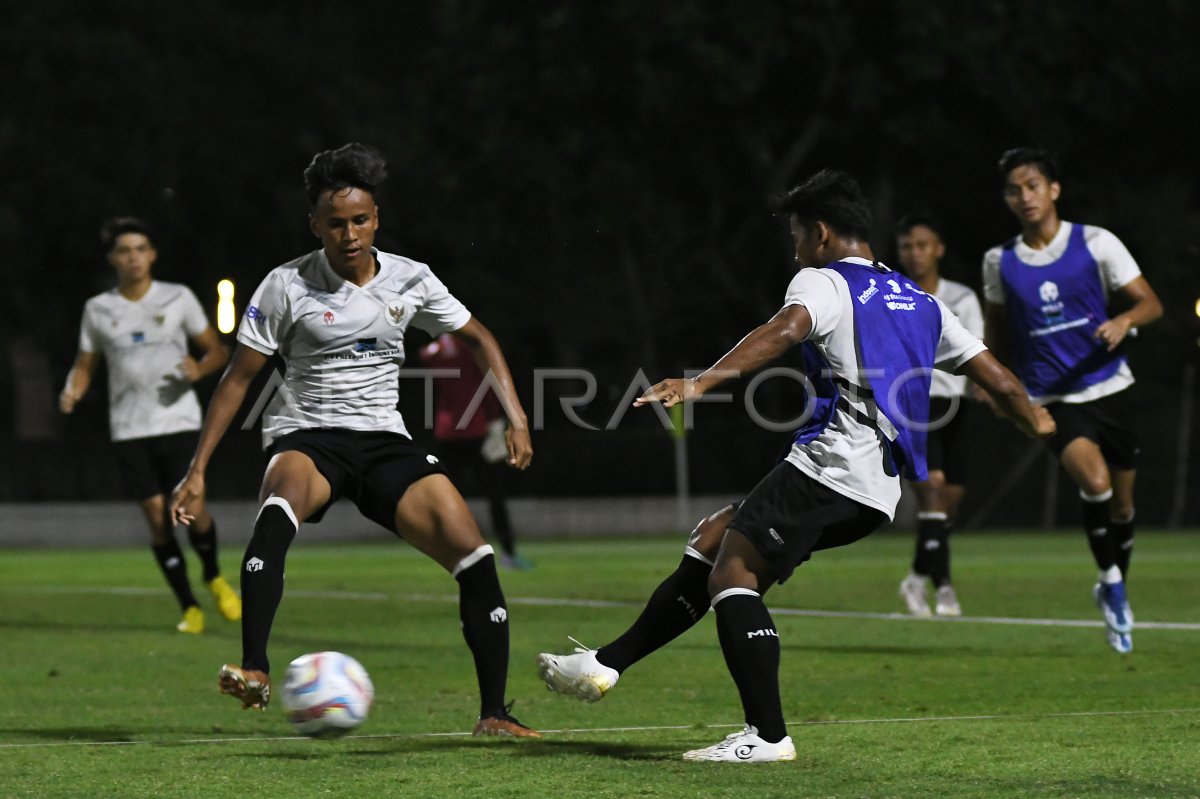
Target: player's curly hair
(351, 166)
(117, 226)
(830, 196)
(1044, 160)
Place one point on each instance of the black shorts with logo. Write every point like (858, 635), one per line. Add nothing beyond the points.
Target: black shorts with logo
(1105, 421)
(789, 515)
(154, 465)
(947, 446)
(372, 469)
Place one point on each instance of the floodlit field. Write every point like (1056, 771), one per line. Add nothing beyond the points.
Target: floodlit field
(104, 699)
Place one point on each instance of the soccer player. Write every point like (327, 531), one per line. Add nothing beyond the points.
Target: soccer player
(1047, 293)
(142, 328)
(469, 428)
(337, 316)
(869, 338)
(920, 246)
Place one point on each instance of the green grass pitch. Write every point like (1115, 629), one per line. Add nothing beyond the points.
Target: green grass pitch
(104, 699)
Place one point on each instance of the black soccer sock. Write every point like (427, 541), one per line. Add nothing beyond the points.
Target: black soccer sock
(484, 616)
(750, 644)
(1096, 524)
(1122, 533)
(174, 568)
(676, 605)
(262, 579)
(205, 546)
(932, 557)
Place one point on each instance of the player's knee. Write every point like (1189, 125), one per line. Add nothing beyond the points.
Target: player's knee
(1095, 484)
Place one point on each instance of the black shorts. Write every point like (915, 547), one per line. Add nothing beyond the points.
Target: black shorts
(154, 465)
(948, 445)
(373, 469)
(789, 515)
(1105, 421)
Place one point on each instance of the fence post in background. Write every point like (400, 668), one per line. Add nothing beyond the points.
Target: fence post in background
(1183, 445)
(682, 489)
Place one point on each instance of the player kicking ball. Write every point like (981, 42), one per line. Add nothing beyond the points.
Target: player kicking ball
(870, 339)
(337, 316)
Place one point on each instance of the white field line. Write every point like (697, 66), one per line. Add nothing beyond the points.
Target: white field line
(376, 596)
(600, 730)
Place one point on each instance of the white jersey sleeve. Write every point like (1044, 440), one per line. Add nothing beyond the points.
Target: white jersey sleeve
(970, 314)
(1117, 267)
(817, 292)
(195, 321)
(440, 312)
(957, 345)
(263, 325)
(993, 288)
(88, 341)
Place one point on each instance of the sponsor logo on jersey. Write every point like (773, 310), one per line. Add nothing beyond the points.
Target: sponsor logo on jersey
(253, 313)
(158, 320)
(771, 532)
(1052, 306)
(871, 291)
(431, 458)
(366, 344)
(138, 336)
(395, 313)
(898, 300)
(327, 318)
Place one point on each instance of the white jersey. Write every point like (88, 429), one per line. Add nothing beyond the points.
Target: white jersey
(847, 455)
(144, 341)
(343, 344)
(961, 300)
(1117, 269)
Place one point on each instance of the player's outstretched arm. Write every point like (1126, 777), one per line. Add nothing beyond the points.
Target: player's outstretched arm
(226, 400)
(1009, 395)
(761, 345)
(491, 361)
(78, 380)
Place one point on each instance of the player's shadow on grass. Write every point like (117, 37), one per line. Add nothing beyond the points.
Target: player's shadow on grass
(107, 626)
(95, 734)
(465, 745)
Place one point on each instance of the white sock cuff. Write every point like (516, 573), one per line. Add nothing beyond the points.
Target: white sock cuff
(1102, 497)
(283, 504)
(688, 552)
(932, 514)
(728, 592)
(472, 559)
(1113, 575)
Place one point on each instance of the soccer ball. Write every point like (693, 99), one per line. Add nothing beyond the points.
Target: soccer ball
(326, 694)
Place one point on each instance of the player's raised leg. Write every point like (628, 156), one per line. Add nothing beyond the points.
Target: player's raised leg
(432, 516)
(676, 605)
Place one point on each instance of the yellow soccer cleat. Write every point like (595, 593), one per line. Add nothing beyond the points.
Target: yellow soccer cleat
(193, 621)
(228, 602)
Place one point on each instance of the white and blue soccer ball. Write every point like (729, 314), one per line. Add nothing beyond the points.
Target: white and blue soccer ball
(326, 694)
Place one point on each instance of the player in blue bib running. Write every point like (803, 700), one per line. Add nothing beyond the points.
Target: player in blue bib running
(870, 340)
(1047, 293)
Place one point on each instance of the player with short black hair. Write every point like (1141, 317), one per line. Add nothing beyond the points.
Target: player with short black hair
(870, 338)
(337, 316)
(142, 327)
(1047, 292)
(920, 248)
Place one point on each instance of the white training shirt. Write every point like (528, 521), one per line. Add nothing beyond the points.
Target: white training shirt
(963, 303)
(144, 341)
(1117, 270)
(847, 456)
(343, 344)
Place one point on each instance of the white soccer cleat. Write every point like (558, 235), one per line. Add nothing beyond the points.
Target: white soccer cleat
(1110, 599)
(1121, 642)
(912, 591)
(947, 602)
(744, 747)
(580, 675)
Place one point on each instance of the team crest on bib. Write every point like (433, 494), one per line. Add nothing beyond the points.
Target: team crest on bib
(396, 312)
(158, 320)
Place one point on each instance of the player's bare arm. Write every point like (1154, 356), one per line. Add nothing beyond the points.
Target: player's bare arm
(1008, 395)
(491, 360)
(215, 356)
(760, 347)
(226, 401)
(78, 380)
(1146, 309)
